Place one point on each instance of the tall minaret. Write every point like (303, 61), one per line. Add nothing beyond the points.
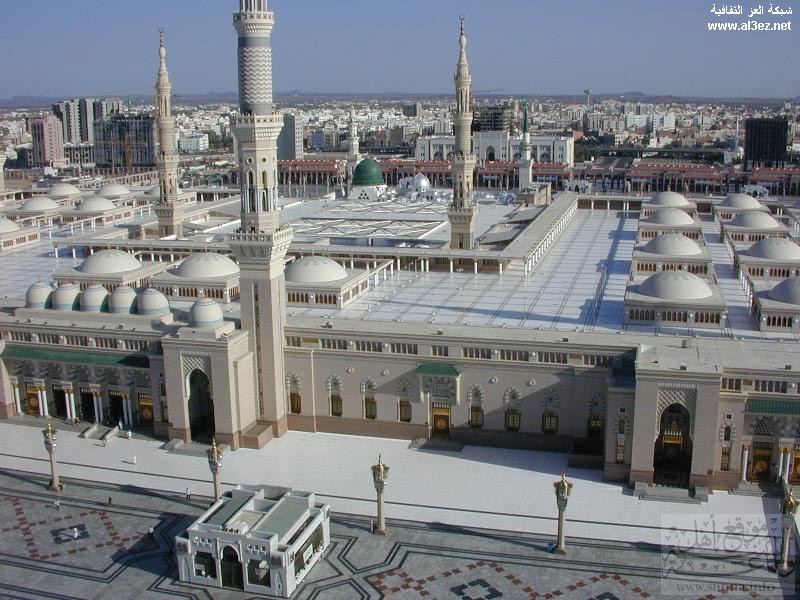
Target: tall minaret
(2, 174)
(169, 211)
(261, 246)
(462, 212)
(353, 155)
(525, 162)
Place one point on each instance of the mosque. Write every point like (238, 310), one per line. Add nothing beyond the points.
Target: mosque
(652, 338)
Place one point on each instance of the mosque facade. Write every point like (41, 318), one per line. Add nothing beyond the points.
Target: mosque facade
(104, 342)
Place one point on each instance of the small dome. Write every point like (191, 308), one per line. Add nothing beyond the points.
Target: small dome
(94, 298)
(755, 219)
(66, 297)
(62, 191)
(421, 182)
(205, 313)
(740, 201)
(207, 264)
(112, 191)
(673, 244)
(38, 295)
(774, 248)
(8, 226)
(368, 172)
(670, 216)
(152, 303)
(95, 204)
(675, 285)
(107, 262)
(122, 300)
(314, 269)
(787, 291)
(669, 199)
(38, 204)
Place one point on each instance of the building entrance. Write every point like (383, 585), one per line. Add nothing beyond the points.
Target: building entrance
(762, 459)
(672, 461)
(441, 419)
(201, 407)
(86, 408)
(231, 569)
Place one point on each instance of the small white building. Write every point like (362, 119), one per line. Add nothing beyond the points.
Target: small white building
(259, 539)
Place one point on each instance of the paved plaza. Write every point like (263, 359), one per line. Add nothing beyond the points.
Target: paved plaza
(473, 523)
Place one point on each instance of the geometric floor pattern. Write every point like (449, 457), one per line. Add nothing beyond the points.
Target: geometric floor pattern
(86, 547)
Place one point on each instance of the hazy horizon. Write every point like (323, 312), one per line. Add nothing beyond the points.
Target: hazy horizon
(364, 48)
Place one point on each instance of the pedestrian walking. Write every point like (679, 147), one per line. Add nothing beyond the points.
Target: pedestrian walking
(75, 533)
(130, 434)
(109, 500)
(57, 504)
(188, 495)
(133, 460)
(150, 531)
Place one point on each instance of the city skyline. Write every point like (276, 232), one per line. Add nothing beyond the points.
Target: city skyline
(537, 48)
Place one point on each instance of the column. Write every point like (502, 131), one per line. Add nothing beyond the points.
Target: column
(451, 265)
(787, 465)
(17, 402)
(475, 266)
(779, 474)
(70, 414)
(71, 402)
(42, 408)
(745, 459)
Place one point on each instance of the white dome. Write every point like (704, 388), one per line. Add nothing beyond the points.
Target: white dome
(122, 300)
(669, 199)
(673, 244)
(755, 219)
(152, 303)
(112, 191)
(61, 191)
(94, 298)
(107, 262)
(207, 264)
(314, 269)
(8, 226)
(740, 201)
(38, 204)
(774, 248)
(205, 313)
(421, 182)
(787, 291)
(95, 204)
(675, 285)
(38, 295)
(670, 216)
(66, 297)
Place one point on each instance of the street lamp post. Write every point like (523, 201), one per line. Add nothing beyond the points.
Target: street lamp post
(563, 488)
(50, 438)
(790, 505)
(215, 464)
(380, 472)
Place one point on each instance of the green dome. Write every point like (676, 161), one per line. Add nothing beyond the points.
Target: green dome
(368, 172)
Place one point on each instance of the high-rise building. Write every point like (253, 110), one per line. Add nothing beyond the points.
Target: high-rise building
(261, 246)
(765, 143)
(168, 208)
(48, 142)
(125, 142)
(495, 118)
(290, 139)
(78, 116)
(462, 212)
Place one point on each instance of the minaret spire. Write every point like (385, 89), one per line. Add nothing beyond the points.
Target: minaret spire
(168, 209)
(462, 212)
(525, 162)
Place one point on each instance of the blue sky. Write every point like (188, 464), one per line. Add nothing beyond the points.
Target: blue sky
(89, 47)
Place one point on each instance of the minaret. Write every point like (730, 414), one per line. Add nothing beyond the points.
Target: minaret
(2, 174)
(169, 211)
(353, 155)
(525, 163)
(462, 212)
(261, 245)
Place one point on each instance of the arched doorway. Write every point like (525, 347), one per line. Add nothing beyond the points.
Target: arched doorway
(201, 407)
(672, 460)
(490, 153)
(231, 569)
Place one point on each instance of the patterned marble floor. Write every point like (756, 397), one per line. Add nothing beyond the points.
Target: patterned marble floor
(89, 548)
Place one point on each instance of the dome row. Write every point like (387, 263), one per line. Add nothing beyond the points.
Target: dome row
(123, 300)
